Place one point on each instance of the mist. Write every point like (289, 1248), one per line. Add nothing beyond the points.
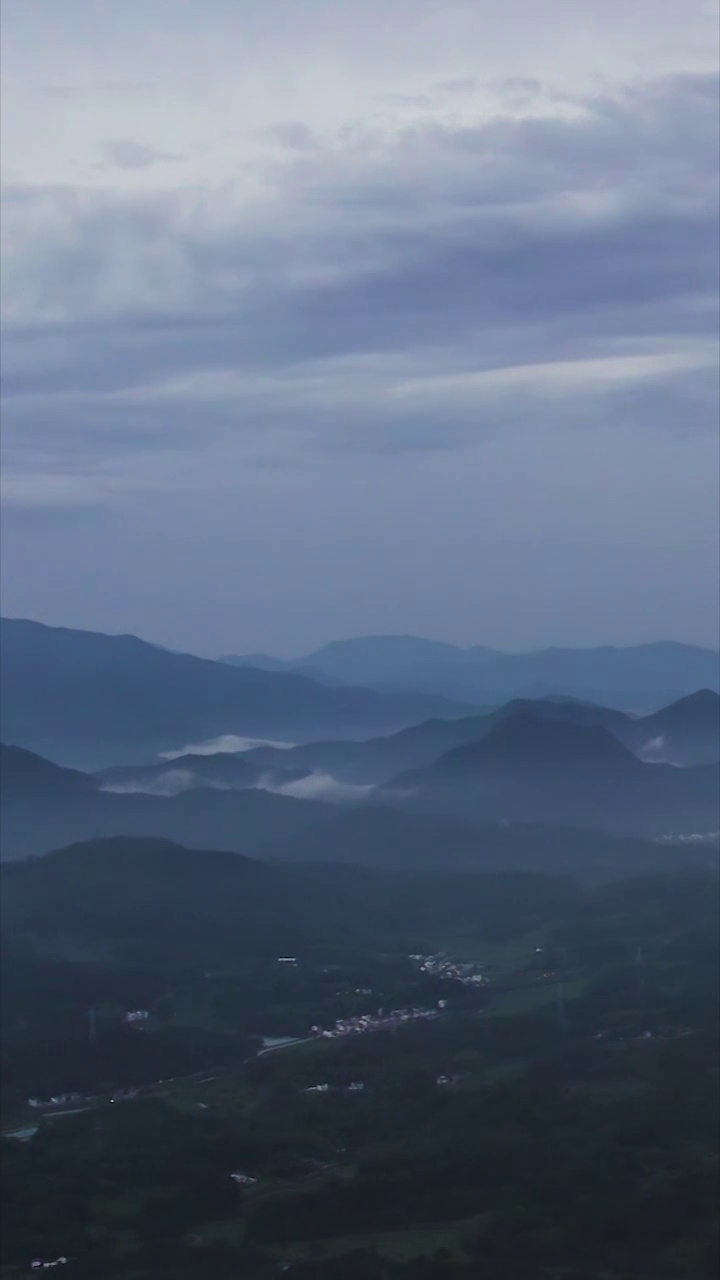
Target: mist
(317, 786)
(226, 744)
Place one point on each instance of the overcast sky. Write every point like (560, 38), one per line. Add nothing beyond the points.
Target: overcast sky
(325, 318)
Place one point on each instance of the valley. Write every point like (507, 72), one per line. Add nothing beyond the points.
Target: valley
(388, 1007)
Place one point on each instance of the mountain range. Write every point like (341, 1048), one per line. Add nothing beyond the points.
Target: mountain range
(533, 769)
(637, 678)
(525, 771)
(686, 732)
(46, 806)
(152, 901)
(92, 701)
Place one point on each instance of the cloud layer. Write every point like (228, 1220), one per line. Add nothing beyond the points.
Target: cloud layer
(432, 288)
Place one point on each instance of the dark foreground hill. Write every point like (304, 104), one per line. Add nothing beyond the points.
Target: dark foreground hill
(92, 701)
(151, 900)
(578, 1107)
(404, 841)
(533, 770)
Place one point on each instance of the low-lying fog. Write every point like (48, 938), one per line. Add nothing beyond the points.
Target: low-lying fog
(315, 786)
(228, 744)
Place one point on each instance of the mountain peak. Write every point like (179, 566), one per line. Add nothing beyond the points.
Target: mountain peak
(696, 710)
(525, 740)
(24, 772)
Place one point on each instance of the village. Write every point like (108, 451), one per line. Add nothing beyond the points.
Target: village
(380, 1021)
(442, 966)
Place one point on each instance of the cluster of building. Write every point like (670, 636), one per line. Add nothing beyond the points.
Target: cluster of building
(61, 1100)
(662, 1033)
(243, 1179)
(136, 1017)
(373, 1022)
(80, 1099)
(441, 966)
(356, 1086)
(37, 1264)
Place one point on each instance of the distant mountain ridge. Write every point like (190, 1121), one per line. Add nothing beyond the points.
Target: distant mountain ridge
(525, 769)
(535, 770)
(528, 741)
(685, 732)
(92, 700)
(661, 670)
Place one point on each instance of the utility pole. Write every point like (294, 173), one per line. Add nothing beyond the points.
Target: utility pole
(92, 1032)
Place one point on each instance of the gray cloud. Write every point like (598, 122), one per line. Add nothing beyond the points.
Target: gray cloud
(516, 298)
(94, 90)
(450, 283)
(125, 153)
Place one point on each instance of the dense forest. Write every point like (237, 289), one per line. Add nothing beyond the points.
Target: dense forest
(556, 1118)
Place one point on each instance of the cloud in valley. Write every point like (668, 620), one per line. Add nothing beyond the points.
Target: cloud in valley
(226, 744)
(165, 784)
(317, 786)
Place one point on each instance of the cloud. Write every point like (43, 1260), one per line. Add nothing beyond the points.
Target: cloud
(432, 283)
(317, 786)
(695, 837)
(227, 744)
(94, 90)
(407, 273)
(167, 784)
(127, 154)
(654, 750)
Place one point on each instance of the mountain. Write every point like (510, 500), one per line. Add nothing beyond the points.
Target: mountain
(525, 740)
(24, 775)
(154, 902)
(377, 759)
(265, 662)
(44, 807)
(687, 732)
(634, 677)
(643, 669)
(409, 660)
(380, 759)
(688, 735)
(138, 894)
(91, 700)
(530, 769)
(398, 840)
(158, 904)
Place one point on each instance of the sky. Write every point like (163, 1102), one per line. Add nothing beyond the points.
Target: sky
(324, 319)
